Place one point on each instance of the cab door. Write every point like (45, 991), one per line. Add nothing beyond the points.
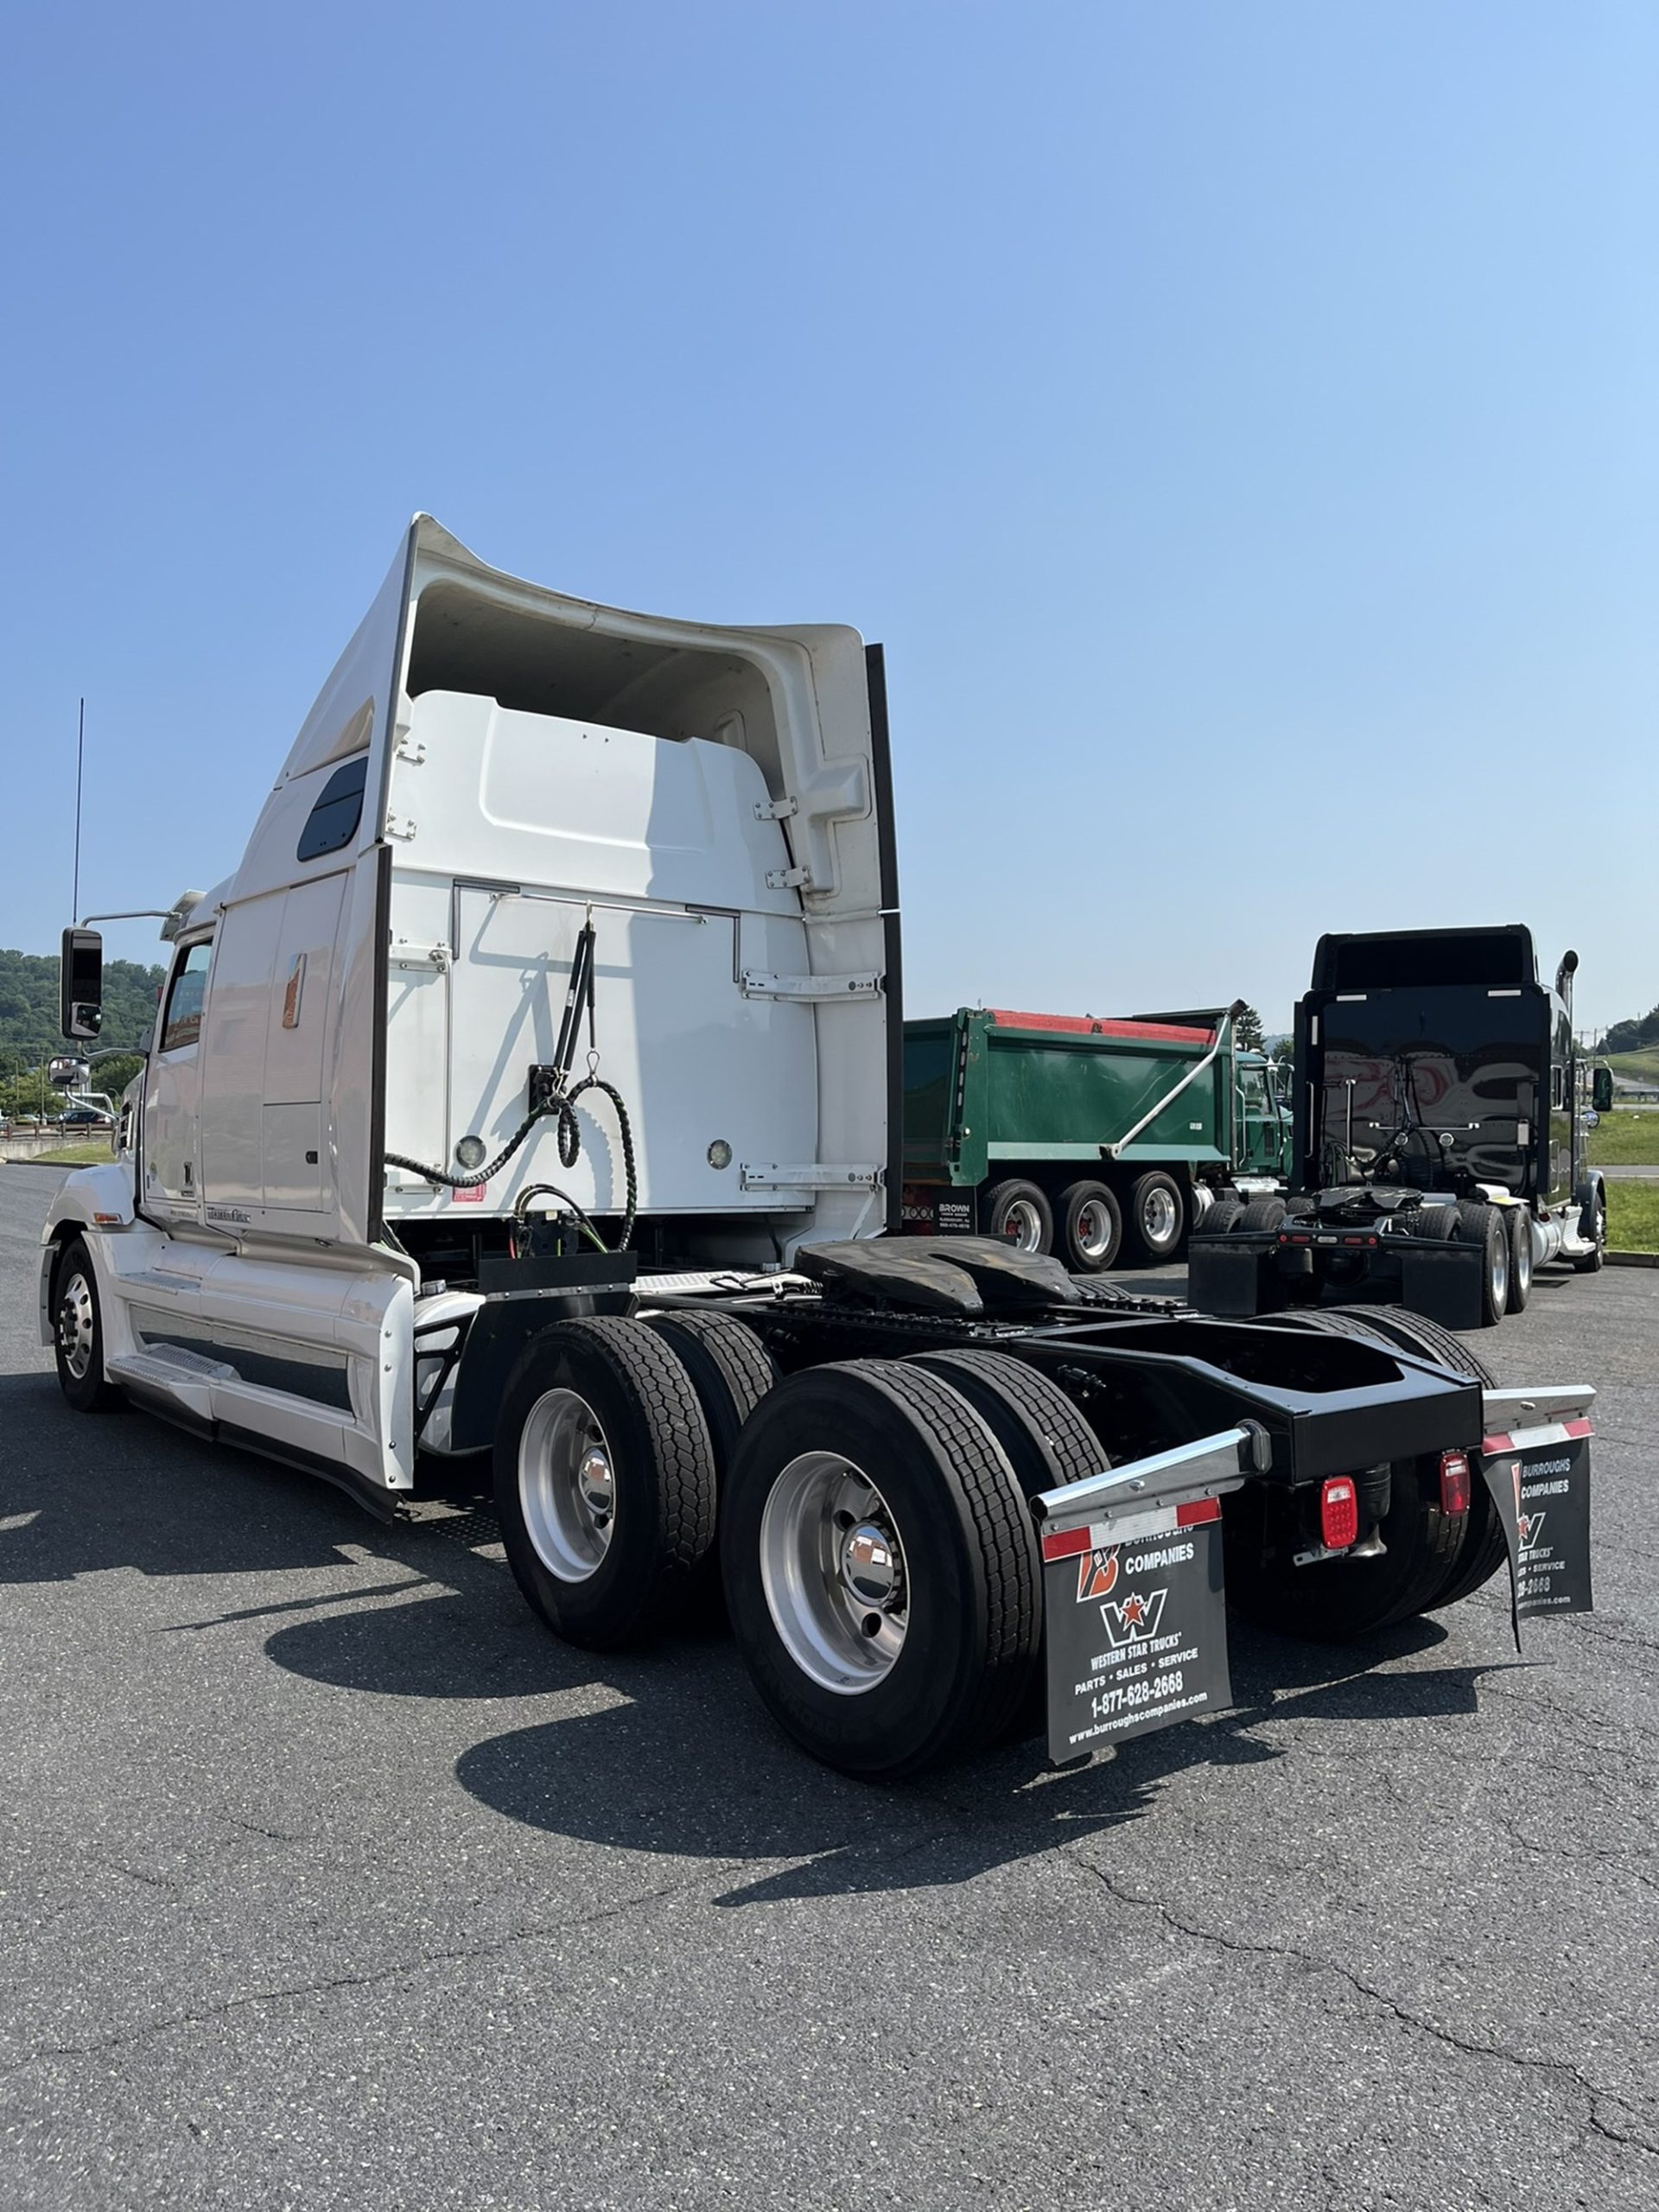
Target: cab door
(173, 1089)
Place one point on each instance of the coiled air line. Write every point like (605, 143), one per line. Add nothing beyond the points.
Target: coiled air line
(559, 1103)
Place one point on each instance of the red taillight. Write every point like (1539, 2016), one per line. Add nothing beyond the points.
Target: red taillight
(1338, 1513)
(1455, 1489)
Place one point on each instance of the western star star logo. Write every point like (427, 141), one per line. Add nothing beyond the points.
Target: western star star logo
(1136, 1618)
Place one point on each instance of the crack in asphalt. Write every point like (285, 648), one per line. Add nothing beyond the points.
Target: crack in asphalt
(1594, 2096)
(327, 1984)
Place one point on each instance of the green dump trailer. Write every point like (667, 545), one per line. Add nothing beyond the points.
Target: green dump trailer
(1078, 1135)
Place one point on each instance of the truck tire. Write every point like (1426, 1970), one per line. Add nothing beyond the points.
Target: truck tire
(731, 1371)
(1047, 1441)
(1020, 1211)
(1484, 1225)
(1337, 1601)
(1262, 1213)
(1483, 1548)
(885, 1627)
(1436, 1221)
(78, 1333)
(1090, 1227)
(604, 1480)
(1224, 1215)
(1589, 1263)
(1157, 1215)
(1518, 1223)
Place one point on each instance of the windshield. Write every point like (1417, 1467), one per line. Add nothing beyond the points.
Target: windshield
(1421, 1086)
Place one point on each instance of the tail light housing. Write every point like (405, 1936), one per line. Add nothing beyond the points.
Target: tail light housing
(1339, 1512)
(1456, 1482)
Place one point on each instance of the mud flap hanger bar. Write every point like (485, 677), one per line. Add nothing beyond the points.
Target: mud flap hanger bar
(1208, 1467)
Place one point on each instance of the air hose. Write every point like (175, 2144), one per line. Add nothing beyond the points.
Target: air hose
(560, 1104)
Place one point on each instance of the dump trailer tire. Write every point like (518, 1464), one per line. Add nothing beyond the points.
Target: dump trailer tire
(1484, 1225)
(1046, 1440)
(1340, 1601)
(1088, 1228)
(604, 1480)
(881, 1568)
(78, 1334)
(1021, 1212)
(1519, 1226)
(1157, 1216)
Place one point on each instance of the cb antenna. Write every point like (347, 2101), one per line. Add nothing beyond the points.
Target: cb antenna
(81, 757)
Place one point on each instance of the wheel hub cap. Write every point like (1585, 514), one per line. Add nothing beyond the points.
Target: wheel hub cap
(75, 1326)
(832, 1567)
(566, 1485)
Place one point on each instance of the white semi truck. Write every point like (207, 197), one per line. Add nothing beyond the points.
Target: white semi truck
(527, 1101)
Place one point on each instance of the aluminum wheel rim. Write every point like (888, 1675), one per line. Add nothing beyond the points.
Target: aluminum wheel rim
(1158, 1216)
(1501, 1271)
(76, 1328)
(832, 1567)
(1523, 1259)
(566, 1485)
(1094, 1231)
(1022, 1226)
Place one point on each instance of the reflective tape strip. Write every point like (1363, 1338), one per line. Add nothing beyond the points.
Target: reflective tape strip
(1530, 1439)
(1103, 1535)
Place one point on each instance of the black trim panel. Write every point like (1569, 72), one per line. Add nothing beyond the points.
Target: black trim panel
(875, 665)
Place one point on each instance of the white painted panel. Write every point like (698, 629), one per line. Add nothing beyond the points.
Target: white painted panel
(696, 1061)
(303, 992)
(232, 1051)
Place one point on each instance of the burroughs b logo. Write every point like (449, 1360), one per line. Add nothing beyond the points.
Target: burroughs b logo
(1135, 1619)
(1096, 1573)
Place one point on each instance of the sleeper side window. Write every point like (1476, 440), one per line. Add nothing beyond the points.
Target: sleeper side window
(332, 821)
(182, 1022)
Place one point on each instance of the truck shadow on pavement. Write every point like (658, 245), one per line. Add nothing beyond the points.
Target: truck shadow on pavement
(692, 1767)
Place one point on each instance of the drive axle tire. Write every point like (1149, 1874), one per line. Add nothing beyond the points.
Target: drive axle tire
(1484, 1225)
(78, 1334)
(1340, 1601)
(1158, 1216)
(731, 1371)
(1261, 1214)
(1047, 1441)
(604, 1480)
(1020, 1211)
(1222, 1218)
(1089, 1228)
(881, 1568)
(1589, 1263)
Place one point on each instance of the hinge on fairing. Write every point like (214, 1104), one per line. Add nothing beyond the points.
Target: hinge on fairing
(776, 809)
(412, 749)
(759, 985)
(788, 878)
(397, 827)
(403, 954)
(811, 1176)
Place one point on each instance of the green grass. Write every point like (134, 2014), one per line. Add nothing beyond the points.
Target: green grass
(1625, 1139)
(75, 1156)
(1633, 1216)
(1642, 1065)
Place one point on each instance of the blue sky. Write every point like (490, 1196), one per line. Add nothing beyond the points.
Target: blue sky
(1239, 424)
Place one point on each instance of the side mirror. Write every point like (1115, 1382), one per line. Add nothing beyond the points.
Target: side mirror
(1601, 1090)
(81, 984)
(65, 1072)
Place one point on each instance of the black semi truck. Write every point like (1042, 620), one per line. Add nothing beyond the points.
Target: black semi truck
(1438, 1141)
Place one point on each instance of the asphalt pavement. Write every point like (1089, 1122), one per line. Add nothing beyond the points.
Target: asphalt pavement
(330, 1879)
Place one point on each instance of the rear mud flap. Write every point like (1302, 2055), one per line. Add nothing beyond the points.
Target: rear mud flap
(1539, 1479)
(1230, 1276)
(1443, 1283)
(1136, 1617)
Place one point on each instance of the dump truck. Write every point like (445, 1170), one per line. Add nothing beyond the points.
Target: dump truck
(1080, 1134)
(522, 1115)
(1439, 1137)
